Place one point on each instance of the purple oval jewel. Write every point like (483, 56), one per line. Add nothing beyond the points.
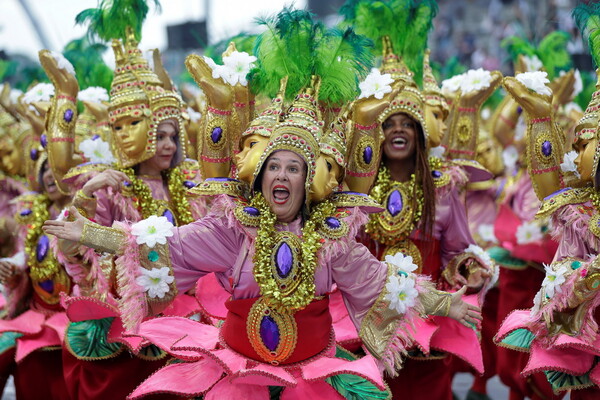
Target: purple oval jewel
(368, 155)
(34, 154)
(394, 203)
(519, 110)
(47, 285)
(42, 247)
(436, 174)
(25, 213)
(252, 211)
(332, 222)
(283, 260)
(95, 137)
(216, 134)
(269, 332)
(189, 184)
(126, 183)
(44, 140)
(169, 216)
(68, 115)
(547, 148)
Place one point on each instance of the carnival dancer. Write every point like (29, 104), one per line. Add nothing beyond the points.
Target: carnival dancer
(561, 328)
(34, 329)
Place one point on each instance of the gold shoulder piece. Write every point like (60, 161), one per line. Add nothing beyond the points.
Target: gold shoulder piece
(217, 186)
(82, 169)
(562, 198)
(355, 199)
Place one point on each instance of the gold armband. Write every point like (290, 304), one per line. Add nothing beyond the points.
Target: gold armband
(436, 302)
(102, 238)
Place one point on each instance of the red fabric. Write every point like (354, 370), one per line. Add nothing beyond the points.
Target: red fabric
(113, 378)
(313, 329)
(40, 376)
(517, 289)
(432, 258)
(7, 366)
(423, 380)
(592, 393)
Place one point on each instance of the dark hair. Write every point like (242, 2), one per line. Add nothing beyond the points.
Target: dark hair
(424, 177)
(40, 175)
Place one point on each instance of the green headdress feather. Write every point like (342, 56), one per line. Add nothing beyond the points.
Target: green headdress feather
(295, 46)
(86, 58)
(373, 19)
(587, 18)
(420, 24)
(552, 50)
(112, 17)
(516, 46)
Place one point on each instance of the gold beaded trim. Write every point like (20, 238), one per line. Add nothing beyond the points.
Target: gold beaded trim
(464, 129)
(288, 332)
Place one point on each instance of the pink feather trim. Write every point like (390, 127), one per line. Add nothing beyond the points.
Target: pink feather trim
(132, 304)
(571, 224)
(458, 179)
(355, 220)
(124, 204)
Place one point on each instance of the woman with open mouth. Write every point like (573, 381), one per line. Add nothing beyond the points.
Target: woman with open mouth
(278, 255)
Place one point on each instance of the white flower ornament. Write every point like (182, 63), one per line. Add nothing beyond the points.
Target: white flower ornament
(401, 293)
(155, 281)
(40, 92)
(529, 232)
(437, 152)
(404, 264)
(568, 164)
(239, 64)
(535, 81)
(474, 80)
(553, 280)
(375, 84)
(152, 230)
(486, 233)
(451, 85)
(532, 63)
(93, 94)
(480, 253)
(62, 62)
(195, 116)
(97, 151)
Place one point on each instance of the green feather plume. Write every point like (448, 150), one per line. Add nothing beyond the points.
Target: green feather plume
(86, 58)
(587, 18)
(286, 48)
(243, 42)
(112, 17)
(516, 45)
(421, 23)
(552, 50)
(373, 19)
(342, 60)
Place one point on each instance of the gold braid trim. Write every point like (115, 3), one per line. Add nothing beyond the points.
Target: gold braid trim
(299, 292)
(102, 238)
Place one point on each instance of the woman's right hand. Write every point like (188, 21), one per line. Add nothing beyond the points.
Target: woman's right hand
(7, 271)
(108, 178)
(68, 229)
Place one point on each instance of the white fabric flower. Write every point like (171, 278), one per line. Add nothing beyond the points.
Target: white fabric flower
(97, 151)
(553, 280)
(486, 233)
(62, 62)
(152, 230)
(480, 253)
(40, 92)
(529, 232)
(437, 152)
(568, 164)
(401, 293)
(155, 281)
(239, 64)
(532, 63)
(535, 81)
(93, 94)
(510, 156)
(475, 80)
(451, 85)
(401, 262)
(375, 84)
(14, 95)
(194, 115)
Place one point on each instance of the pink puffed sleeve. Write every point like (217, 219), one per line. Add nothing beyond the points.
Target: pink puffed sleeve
(452, 227)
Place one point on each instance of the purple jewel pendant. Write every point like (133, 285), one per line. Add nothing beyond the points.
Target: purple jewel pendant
(269, 333)
(284, 260)
(68, 115)
(216, 134)
(547, 148)
(394, 203)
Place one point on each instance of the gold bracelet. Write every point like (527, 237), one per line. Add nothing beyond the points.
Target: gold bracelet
(102, 238)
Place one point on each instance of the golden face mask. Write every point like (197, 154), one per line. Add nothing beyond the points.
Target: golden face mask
(489, 154)
(327, 177)
(586, 160)
(434, 119)
(131, 136)
(252, 148)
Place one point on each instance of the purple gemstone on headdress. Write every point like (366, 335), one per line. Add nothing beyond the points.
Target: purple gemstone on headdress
(189, 184)
(283, 260)
(169, 216)
(252, 211)
(34, 154)
(216, 134)
(519, 110)
(546, 148)
(394, 203)
(332, 222)
(368, 155)
(25, 213)
(44, 140)
(436, 174)
(126, 183)
(42, 247)
(95, 137)
(269, 332)
(47, 285)
(68, 115)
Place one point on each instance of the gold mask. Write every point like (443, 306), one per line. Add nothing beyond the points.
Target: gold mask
(131, 136)
(489, 154)
(252, 148)
(434, 119)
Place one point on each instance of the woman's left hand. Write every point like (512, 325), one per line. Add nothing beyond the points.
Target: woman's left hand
(68, 230)
(463, 312)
